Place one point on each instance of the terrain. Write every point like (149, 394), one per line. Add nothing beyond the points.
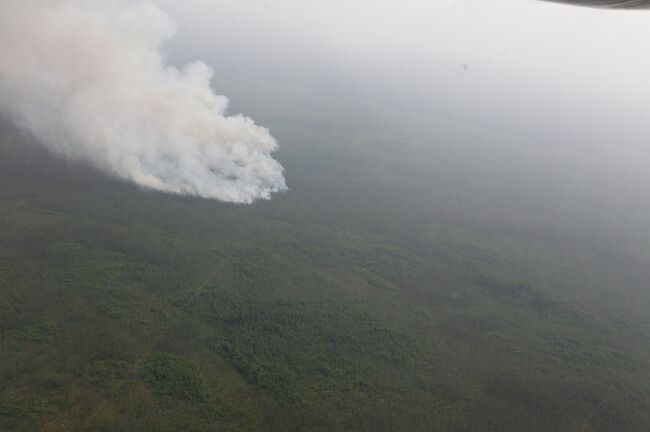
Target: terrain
(400, 284)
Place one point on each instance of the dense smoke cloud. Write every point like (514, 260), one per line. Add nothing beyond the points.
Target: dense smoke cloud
(89, 80)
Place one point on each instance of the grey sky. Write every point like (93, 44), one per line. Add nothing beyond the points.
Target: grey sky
(558, 42)
(554, 71)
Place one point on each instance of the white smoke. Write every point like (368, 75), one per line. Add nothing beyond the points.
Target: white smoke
(88, 79)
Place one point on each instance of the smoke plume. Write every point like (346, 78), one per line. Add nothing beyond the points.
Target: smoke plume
(88, 79)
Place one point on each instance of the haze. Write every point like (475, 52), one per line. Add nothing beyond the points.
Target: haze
(554, 96)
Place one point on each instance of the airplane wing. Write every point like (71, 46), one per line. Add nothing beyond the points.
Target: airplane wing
(611, 4)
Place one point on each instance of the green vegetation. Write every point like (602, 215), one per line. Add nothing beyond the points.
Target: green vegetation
(123, 310)
(173, 377)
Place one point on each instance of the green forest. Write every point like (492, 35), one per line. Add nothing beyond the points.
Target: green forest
(348, 303)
